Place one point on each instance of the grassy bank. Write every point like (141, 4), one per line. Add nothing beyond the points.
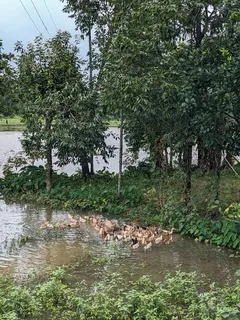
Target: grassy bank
(15, 124)
(11, 124)
(145, 198)
(181, 297)
(114, 123)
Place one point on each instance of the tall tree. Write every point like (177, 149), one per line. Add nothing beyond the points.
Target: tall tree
(159, 69)
(54, 94)
(91, 18)
(7, 99)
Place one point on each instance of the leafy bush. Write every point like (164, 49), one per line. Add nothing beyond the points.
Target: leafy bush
(180, 297)
(233, 211)
(149, 201)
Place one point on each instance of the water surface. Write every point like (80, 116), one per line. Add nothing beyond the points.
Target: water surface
(10, 145)
(84, 245)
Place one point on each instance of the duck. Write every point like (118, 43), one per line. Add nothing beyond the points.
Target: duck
(135, 246)
(113, 230)
(118, 237)
(108, 237)
(170, 240)
(147, 246)
(172, 231)
(151, 238)
(101, 231)
(159, 240)
(167, 233)
(70, 217)
(82, 220)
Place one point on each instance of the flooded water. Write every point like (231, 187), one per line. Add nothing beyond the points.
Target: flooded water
(10, 145)
(26, 248)
(80, 247)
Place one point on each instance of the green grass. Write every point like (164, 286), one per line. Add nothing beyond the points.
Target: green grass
(16, 124)
(114, 123)
(11, 124)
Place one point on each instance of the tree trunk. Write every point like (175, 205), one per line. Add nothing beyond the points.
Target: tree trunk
(160, 159)
(90, 80)
(200, 151)
(180, 159)
(230, 158)
(48, 158)
(49, 168)
(171, 156)
(187, 158)
(85, 169)
(166, 156)
(120, 156)
(218, 156)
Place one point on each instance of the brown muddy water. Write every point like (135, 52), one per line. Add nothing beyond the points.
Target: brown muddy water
(25, 248)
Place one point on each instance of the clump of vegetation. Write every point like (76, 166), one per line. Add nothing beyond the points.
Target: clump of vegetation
(155, 200)
(181, 296)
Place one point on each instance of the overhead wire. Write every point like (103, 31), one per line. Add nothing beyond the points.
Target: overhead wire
(30, 17)
(50, 14)
(40, 18)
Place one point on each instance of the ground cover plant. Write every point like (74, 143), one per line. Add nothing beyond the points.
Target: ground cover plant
(150, 200)
(181, 296)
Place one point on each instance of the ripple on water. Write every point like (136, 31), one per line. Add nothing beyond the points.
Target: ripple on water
(74, 245)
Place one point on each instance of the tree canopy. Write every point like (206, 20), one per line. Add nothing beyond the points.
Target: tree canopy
(56, 105)
(6, 83)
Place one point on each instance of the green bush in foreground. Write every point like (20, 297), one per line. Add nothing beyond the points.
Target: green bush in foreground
(179, 297)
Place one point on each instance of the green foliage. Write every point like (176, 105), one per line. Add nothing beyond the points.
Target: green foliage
(73, 192)
(220, 232)
(170, 66)
(181, 297)
(233, 211)
(155, 200)
(31, 178)
(58, 110)
(7, 75)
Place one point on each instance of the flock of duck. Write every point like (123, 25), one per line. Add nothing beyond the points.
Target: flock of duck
(112, 230)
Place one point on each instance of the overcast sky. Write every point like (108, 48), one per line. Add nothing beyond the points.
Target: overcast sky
(15, 25)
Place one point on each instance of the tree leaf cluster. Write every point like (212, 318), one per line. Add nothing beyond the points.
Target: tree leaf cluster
(61, 115)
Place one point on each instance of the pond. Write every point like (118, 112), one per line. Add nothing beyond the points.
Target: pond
(80, 247)
(10, 145)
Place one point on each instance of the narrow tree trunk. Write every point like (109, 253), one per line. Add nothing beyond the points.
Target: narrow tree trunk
(171, 156)
(90, 80)
(48, 158)
(200, 151)
(166, 156)
(187, 158)
(230, 158)
(85, 169)
(120, 156)
(218, 156)
(160, 159)
(49, 169)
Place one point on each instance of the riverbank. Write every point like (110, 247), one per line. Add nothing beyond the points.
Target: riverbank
(16, 124)
(11, 124)
(145, 199)
(181, 296)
